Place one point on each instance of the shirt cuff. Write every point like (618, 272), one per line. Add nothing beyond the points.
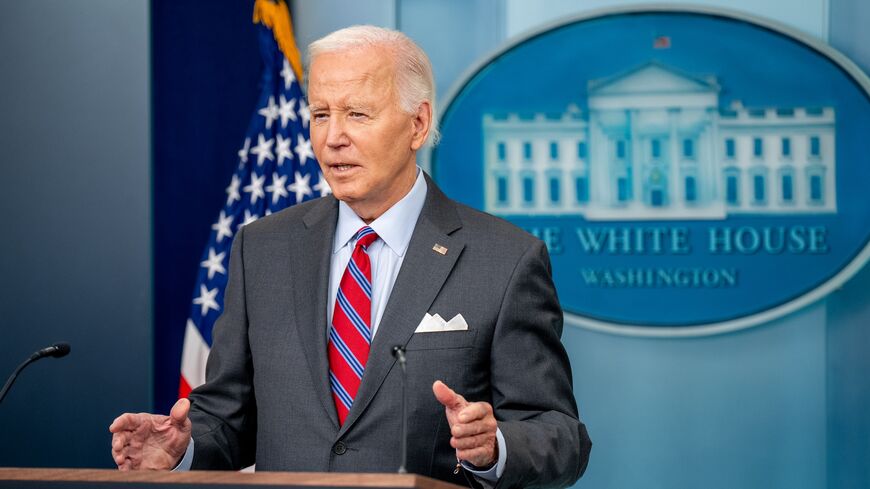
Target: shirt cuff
(493, 473)
(186, 460)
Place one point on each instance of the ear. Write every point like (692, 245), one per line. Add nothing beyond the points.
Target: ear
(422, 123)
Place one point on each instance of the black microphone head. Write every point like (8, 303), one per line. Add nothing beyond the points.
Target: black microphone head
(60, 349)
(398, 349)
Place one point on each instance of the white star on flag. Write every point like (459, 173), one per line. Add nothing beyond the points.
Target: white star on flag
(283, 149)
(243, 153)
(277, 188)
(323, 186)
(300, 186)
(215, 263)
(303, 149)
(287, 111)
(288, 75)
(233, 190)
(223, 226)
(304, 113)
(206, 299)
(263, 149)
(256, 187)
(270, 112)
(249, 218)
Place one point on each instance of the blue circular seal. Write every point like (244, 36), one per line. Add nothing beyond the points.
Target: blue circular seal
(692, 171)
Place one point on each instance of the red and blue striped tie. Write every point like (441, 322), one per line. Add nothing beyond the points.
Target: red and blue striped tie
(351, 334)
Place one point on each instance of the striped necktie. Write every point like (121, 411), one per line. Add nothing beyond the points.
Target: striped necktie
(351, 334)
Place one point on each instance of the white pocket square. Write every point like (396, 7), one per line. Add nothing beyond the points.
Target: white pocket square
(437, 324)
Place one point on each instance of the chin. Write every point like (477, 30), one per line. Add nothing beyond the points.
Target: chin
(343, 195)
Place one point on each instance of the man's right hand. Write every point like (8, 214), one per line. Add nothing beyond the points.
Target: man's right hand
(150, 441)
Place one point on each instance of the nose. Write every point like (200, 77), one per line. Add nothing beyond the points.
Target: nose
(336, 136)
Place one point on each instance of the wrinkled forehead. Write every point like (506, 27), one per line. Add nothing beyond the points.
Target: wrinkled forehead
(369, 68)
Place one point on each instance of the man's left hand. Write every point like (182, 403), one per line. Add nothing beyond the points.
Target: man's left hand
(472, 426)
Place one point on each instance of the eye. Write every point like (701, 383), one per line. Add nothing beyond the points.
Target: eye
(357, 115)
(319, 116)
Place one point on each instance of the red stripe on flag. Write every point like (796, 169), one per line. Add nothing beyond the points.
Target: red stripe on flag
(183, 388)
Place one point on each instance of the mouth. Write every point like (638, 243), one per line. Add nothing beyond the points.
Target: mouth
(342, 167)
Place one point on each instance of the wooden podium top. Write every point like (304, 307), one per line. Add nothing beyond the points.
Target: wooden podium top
(74, 478)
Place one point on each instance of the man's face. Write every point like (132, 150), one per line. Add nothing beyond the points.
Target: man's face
(365, 144)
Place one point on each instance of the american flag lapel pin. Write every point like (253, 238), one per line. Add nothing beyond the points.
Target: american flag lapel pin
(441, 250)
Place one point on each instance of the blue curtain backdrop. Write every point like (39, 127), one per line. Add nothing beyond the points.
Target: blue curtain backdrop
(205, 67)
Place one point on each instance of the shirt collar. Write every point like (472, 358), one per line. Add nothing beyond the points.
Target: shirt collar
(395, 226)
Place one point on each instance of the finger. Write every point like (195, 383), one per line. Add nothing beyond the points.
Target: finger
(447, 397)
(119, 455)
(179, 411)
(136, 443)
(474, 411)
(119, 459)
(124, 422)
(462, 430)
(119, 441)
(470, 442)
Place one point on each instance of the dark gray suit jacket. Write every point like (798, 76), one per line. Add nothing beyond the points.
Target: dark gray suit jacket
(267, 397)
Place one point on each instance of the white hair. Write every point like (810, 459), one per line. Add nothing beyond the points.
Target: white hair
(415, 82)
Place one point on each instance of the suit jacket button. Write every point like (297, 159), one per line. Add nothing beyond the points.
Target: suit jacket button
(339, 448)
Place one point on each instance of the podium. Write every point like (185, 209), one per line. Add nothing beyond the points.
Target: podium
(14, 478)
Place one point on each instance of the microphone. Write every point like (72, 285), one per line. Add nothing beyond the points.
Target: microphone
(399, 353)
(56, 350)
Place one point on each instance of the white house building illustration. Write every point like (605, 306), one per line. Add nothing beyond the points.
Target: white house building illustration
(655, 144)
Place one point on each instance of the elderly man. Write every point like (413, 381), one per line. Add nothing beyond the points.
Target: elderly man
(301, 375)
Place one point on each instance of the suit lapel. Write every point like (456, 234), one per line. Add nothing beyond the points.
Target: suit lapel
(411, 297)
(310, 274)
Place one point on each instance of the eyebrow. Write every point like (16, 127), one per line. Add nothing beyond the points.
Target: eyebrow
(344, 106)
(356, 105)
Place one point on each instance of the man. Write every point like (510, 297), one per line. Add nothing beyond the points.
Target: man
(301, 376)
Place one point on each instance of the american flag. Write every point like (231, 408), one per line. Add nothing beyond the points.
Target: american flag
(276, 169)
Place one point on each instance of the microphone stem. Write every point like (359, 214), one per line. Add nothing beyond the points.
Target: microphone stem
(14, 376)
(402, 469)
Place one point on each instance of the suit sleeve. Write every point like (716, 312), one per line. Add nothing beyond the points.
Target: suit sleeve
(533, 397)
(223, 409)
